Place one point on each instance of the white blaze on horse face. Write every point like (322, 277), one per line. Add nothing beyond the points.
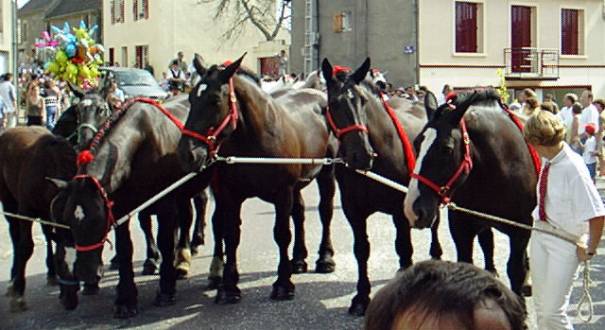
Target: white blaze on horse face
(200, 89)
(86, 103)
(413, 193)
(79, 213)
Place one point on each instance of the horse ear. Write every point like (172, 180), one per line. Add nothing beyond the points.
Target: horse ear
(327, 70)
(231, 69)
(198, 64)
(78, 92)
(61, 184)
(361, 73)
(461, 107)
(430, 104)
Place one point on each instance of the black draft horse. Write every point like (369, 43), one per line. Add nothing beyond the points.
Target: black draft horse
(79, 123)
(231, 111)
(477, 139)
(364, 128)
(134, 160)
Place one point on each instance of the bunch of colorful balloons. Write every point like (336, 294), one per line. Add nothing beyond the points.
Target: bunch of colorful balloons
(78, 56)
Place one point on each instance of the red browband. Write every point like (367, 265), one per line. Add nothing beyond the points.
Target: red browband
(108, 208)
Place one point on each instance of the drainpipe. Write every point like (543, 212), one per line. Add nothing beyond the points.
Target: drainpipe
(416, 5)
(317, 44)
(15, 54)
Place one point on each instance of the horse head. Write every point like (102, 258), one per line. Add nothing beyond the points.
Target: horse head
(81, 206)
(213, 114)
(92, 110)
(346, 113)
(443, 163)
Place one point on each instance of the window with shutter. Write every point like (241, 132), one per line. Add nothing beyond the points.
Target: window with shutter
(135, 10)
(113, 12)
(467, 26)
(572, 36)
(337, 23)
(111, 56)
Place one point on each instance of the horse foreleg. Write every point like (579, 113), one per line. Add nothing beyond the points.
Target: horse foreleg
(167, 222)
(125, 305)
(200, 201)
(403, 240)
(435, 250)
(229, 213)
(24, 251)
(486, 241)
(51, 275)
(151, 264)
(517, 267)
(299, 265)
(361, 248)
(283, 288)
(183, 254)
(69, 285)
(215, 276)
(327, 188)
(463, 235)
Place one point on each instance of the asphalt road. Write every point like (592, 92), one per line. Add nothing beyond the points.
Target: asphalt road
(321, 300)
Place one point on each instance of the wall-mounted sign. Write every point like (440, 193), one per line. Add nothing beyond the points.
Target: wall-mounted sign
(409, 49)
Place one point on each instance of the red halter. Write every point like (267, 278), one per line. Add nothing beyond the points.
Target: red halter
(210, 139)
(342, 131)
(465, 166)
(108, 208)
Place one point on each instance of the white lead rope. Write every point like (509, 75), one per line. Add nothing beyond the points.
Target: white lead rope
(31, 219)
(231, 160)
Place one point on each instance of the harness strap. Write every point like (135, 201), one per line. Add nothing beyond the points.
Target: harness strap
(342, 131)
(403, 137)
(535, 158)
(108, 208)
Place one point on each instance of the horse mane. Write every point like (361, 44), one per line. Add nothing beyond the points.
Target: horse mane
(477, 97)
(242, 71)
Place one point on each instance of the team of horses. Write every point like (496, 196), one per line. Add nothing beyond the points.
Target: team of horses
(122, 157)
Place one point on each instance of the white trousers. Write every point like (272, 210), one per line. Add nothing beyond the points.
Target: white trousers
(11, 119)
(553, 266)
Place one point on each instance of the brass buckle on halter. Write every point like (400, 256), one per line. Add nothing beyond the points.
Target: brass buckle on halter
(212, 138)
(444, 190)
(233, 98)
(466, 139)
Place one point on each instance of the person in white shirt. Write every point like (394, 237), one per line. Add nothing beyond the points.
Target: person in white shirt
(566, 114)
(569, 201)
(590, 151)
(590, 114)
(9, 97)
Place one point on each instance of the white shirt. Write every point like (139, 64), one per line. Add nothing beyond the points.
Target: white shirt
(571, 197)
(590, 114)
(590, 146)
(7, 93)
(566, 116)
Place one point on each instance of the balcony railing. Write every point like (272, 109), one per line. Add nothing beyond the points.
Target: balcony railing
(531, 63)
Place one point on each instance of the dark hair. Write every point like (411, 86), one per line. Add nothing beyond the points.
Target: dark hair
(175, 62)
(442, 288)
(600, 102)
(576, 108)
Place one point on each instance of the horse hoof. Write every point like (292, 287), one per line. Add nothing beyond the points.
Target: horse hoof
(124, 311)
(526, 290)
(91, 289)
(114, 264)
(280, 292)
(69, 300)
(357, 309)
(197, 241)
(10, 290)
(224, 297)
(164, 299)
(359, 305)
(325, 266)
(299, 266)
(51, 281)
(17, 304)
(150, 267)
(194, 250)
(214, 282)
(182, 272)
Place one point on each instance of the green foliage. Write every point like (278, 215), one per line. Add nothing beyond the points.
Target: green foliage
(502, 89)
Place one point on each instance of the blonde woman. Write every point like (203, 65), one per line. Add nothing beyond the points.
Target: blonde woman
(569, 201)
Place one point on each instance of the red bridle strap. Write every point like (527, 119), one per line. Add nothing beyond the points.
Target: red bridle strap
(465, 167)
(535, 158)
(342, 131)
(408, 152)
(108, 208)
